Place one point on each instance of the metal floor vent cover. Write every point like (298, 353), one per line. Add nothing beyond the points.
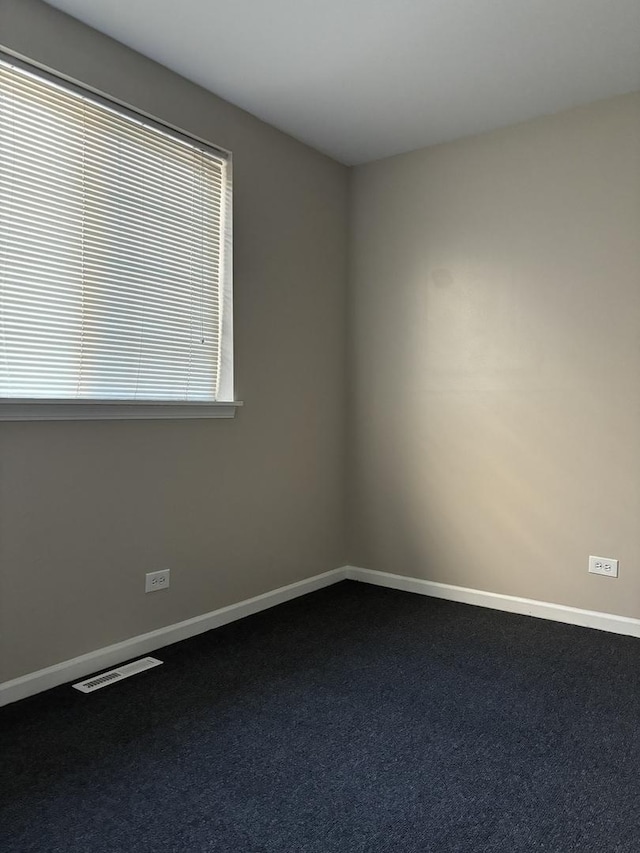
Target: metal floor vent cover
(98, 681)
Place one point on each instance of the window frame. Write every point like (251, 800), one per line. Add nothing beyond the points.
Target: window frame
(26, 409)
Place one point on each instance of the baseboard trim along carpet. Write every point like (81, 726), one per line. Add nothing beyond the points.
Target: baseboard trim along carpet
(77, 668)
(496, 601)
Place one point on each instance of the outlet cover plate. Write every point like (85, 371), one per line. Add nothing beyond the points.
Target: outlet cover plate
(154, 581)
(603, 566)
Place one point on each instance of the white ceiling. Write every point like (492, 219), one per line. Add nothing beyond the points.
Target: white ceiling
(363, 79)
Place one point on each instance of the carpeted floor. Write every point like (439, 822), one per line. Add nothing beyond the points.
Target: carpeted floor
(354, 719)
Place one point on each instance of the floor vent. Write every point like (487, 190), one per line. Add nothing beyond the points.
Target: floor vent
(98, 681)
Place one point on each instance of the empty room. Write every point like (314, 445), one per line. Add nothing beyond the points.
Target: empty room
(319, 426)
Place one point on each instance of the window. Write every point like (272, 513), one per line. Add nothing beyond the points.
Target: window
(115, 241)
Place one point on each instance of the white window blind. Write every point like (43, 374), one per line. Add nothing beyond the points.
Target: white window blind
(113, 235)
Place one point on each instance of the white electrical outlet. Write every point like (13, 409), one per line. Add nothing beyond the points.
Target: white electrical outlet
(153, 581)
(603, 566)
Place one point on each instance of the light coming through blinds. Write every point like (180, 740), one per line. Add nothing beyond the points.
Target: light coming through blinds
(112, 238)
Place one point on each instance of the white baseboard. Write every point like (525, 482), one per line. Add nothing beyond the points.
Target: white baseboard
(496, 601)
(76, 668)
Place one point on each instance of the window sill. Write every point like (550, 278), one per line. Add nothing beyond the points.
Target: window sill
(97, 410)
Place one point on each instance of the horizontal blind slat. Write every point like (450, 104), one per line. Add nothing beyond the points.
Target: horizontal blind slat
(177, 213)
(111, 251)
(29, 94)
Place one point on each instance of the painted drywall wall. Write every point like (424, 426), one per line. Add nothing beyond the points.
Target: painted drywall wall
(234, 508)
(494, 345)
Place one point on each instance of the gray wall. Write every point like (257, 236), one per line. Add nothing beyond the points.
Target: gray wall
(234, 508)
(495, 349)
(493, 405)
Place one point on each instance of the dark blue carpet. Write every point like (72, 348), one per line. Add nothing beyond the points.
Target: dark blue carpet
(355, 719)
